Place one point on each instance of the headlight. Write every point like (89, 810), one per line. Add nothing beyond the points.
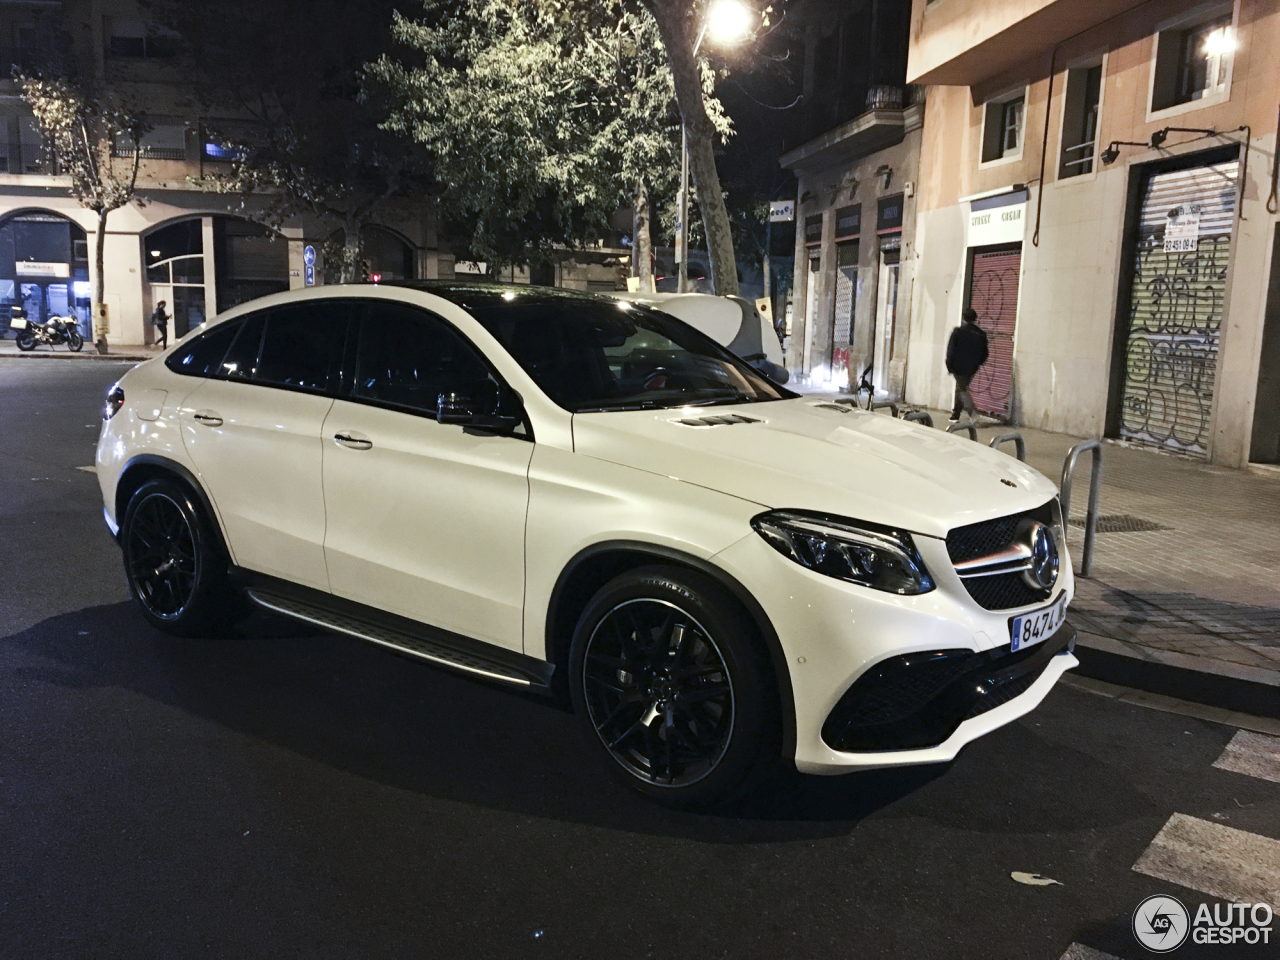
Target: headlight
(862, 553)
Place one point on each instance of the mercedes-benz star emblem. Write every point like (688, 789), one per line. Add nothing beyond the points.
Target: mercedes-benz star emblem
(1043, 572)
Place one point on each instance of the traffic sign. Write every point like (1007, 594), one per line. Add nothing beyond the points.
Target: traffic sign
(309, 255)
(311, 273)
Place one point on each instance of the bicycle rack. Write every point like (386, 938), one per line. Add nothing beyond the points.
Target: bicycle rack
(965, 425)
(919, 416)
(1019, 444)
(881, 404)
(1095, 486)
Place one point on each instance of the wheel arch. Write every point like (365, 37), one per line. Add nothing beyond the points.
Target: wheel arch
(591, 568)
(150, 466)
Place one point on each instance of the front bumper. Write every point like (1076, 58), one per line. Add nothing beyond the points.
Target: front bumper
(833, 634)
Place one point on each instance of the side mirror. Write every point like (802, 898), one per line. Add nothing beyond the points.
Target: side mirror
(454, 408)
(460, 408)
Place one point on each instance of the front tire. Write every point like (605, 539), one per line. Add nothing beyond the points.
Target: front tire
(671, 685)
(74, 342)
(175, 562)
(26, 340)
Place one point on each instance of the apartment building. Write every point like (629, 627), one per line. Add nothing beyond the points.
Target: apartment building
(1098, 180)
(856, 160)
(184, 243)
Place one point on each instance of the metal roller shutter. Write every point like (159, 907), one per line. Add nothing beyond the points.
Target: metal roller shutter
(994, 295)
(1175, 310)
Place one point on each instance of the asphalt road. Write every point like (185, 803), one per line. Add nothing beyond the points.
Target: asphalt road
(289, 793)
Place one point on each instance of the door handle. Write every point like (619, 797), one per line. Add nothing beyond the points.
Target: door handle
(207, 417)
(353, 441)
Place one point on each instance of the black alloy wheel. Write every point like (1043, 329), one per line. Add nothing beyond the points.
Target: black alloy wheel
(671, 682)
(175, 562)
(658, 692)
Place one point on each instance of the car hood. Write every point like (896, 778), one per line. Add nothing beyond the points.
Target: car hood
(808, 454)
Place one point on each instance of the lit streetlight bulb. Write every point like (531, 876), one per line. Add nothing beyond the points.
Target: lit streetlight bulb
(729, 21)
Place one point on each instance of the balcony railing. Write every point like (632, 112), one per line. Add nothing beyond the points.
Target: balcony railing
(149, 153)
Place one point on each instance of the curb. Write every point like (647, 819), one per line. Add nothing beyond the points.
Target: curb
(1226, 687)
(34, 355)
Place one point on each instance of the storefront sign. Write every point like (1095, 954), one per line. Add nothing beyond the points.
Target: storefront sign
(1182, 230)
(35, 268)
(813, 230)
(997, 225)
(889, 214)
(782, 210)
(848, 222)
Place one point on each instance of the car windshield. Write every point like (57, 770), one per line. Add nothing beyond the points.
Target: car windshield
(591, 356)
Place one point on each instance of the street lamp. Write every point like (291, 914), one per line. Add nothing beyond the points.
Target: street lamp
(727, 21)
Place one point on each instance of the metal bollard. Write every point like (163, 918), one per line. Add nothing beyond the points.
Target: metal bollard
(965, 425)
(881, 404)
(1019, 444)
(919, 416)
(1095, 487)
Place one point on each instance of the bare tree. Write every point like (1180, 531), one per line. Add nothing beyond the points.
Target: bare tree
(79, 131)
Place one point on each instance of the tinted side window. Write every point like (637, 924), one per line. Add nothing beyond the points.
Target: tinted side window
(203, 355)
(302, 345)
(408, 358)
(242, 359)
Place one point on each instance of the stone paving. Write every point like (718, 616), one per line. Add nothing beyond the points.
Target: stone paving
(1187, 559)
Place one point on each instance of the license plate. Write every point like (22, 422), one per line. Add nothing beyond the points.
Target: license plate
(1030, 628)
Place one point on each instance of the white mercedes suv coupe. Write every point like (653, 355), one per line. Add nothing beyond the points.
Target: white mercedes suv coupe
(586, 497)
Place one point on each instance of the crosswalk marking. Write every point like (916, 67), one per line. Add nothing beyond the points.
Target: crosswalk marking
(1078, 951)
(1253, 754)
(1221, 861)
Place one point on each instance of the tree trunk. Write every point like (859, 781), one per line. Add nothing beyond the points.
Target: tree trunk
(100, 337)
(642, 241)
(351, 272)
(675, 26)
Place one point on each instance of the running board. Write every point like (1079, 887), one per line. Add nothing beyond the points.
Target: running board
(409, 637)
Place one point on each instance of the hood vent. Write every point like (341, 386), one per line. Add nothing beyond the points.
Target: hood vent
(716, 421)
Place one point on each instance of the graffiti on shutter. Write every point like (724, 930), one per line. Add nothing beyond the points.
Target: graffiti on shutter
(1175, 308)
(994, 295)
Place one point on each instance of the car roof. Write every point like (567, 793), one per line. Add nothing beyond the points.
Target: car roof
(474, 294)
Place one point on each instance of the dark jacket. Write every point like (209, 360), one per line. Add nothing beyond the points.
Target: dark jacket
(966, 350)
(159, 318)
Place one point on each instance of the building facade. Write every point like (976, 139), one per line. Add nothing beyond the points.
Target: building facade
(183, 243)
(856, 168)
(1098, 181)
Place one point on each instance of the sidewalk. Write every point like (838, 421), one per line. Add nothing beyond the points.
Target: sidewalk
(116, 351)
(1184, 596)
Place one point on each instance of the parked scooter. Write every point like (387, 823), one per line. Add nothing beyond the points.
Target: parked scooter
(56, 330)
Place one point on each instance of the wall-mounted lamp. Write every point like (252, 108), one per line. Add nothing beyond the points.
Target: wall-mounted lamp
(1160, 136)
(1112, 152)
(806, 197)
(886, 171)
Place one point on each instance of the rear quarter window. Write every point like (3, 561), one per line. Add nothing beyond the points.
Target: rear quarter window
(203, 355)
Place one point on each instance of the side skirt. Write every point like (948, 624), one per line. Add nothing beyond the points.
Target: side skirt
(473, 657)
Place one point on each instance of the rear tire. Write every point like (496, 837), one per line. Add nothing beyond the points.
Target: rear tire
(176, 563)
(672, 688)
(26, 340)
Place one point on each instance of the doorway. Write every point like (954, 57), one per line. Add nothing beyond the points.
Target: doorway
(1265, 445)
(994, 274)
(886, 311)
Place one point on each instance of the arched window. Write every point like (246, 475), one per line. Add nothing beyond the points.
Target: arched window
(44, 267)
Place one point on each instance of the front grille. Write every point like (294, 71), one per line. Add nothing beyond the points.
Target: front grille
(981, 539)
(918, 700)
(1007, 590)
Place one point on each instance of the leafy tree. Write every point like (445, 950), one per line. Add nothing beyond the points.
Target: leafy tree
(79, 130)
(543, 117)
(285, 74)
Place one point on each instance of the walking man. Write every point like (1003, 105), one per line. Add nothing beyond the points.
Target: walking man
(160, 320)
(966, 352)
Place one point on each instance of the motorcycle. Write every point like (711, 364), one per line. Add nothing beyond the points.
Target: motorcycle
(56, 330)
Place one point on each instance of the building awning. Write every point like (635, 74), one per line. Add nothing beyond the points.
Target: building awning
(854, 139)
